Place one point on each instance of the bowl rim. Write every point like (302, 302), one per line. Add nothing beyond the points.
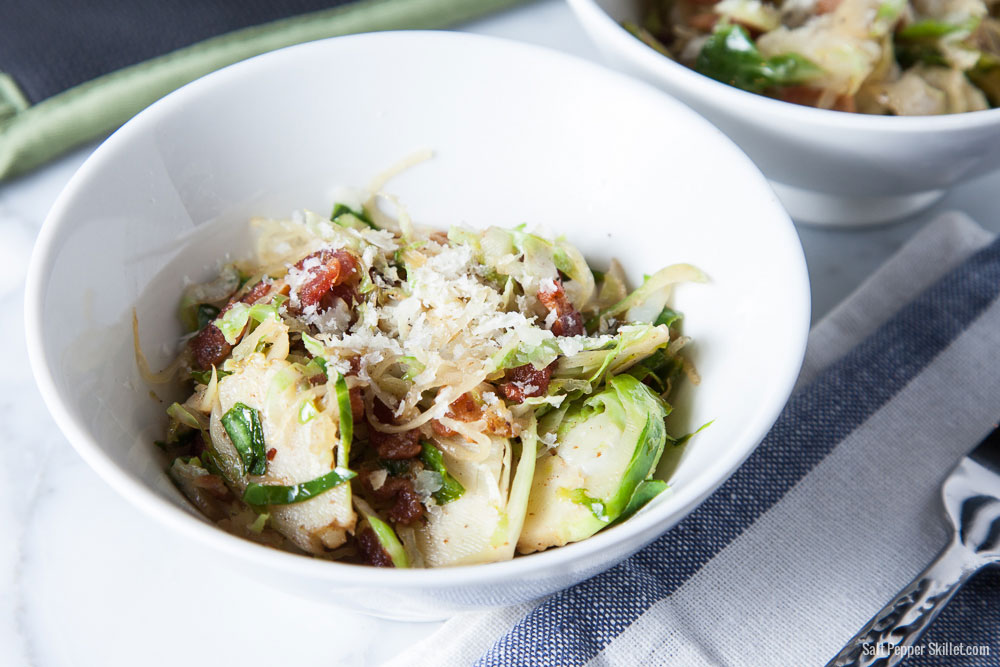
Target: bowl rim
(643, 527)
(590, 13)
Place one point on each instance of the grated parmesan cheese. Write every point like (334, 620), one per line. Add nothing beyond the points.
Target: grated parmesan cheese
(377, 478)
(445, 325)
(430, 318)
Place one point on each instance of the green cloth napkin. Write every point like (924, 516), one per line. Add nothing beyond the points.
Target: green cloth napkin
(32, 134)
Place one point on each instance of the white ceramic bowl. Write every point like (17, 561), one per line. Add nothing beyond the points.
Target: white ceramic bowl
(522, 135)
(828, 167)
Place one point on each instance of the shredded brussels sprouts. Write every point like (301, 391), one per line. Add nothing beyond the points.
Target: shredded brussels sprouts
(889, 57)
(370, 390)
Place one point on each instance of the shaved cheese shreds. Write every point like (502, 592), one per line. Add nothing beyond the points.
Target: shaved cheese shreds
(433, 318)
(418, 362)
(449, 320)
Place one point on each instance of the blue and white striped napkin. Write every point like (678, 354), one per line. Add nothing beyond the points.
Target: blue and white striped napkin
(836, 510)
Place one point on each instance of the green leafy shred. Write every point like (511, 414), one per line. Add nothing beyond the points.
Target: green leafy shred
(595, 505)
(346, 419)
(646, 491)
(233, 321)
(388, 540)
(682, 440)
(394, 467)
(206, 313)
(668, 317)
(450, 489)
(307, 412)
(204, 377)
(346, 216)
(182, 415)
(657, 369)
(413, 367)
(919, 43)
(539, 356)
(257, 527)
(313, 346)
(934, 29)
(986, 75)
(890, 10)
(730, 56)
(274, 494)
(242, 423)
(909, 54)
(321, 364)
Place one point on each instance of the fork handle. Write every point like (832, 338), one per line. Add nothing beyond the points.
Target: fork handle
(885, 638)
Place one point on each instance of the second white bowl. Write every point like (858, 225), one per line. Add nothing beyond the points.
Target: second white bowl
(828, 167)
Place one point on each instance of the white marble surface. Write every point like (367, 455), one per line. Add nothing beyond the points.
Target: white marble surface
(85, 579)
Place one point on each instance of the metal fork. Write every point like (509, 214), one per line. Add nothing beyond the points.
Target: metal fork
(972, 502)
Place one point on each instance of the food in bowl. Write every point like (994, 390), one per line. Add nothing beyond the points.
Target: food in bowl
(373, 391)
(172, 191)
(889, 57)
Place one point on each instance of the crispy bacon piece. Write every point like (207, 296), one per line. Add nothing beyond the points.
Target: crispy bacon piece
(395, 446)
(326, 269)
(526, 382)
(371, 551)
(357, 403)
(345, 292)
(569, 322)
(209, 347)
(258, 292)
(442, 430)
(497, 425)
(407, 507)
(382, 412)
(464, 409)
